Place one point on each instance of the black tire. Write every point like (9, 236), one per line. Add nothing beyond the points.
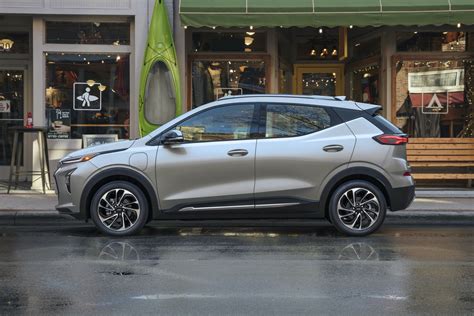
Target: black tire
(118, 228)
(365, 211)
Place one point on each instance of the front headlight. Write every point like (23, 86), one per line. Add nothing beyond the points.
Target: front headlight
(78, 159)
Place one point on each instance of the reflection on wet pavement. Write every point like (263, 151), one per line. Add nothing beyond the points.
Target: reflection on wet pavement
(237, 270)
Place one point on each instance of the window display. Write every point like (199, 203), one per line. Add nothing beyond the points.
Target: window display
(11, 109)
(87, 94)
(214, 79)
(434, 98)
(14, 43)
(365, 84)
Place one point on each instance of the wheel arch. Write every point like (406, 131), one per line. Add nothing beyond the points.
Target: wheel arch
(114, 174)
(355, 173)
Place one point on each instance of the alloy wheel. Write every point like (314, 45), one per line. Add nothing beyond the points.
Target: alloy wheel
(358, 208)
(118, 209)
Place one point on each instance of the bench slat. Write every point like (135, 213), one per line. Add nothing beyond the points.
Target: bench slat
(442, 164)
(440, 146)
(433, 176)
(440, 158)
(449, 152)
(441, 140)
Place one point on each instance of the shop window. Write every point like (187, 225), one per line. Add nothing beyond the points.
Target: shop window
(87, 33)
(14, 43)
(295, 120)
(239, 42)
(87, 94)
(231, 122)
(431, 41)
(318, 44)
(434, 98)
(365, 84)
(214, 79)
(366, 49)
(11, 109)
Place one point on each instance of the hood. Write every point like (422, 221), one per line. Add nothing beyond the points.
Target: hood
(116, 146)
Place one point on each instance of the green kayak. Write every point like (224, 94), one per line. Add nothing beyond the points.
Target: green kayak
(159, 97)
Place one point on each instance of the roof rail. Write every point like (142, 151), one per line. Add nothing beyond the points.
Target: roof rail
(320, 97)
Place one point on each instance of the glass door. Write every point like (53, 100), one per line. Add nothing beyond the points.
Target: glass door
(319, 79)
(11, 110)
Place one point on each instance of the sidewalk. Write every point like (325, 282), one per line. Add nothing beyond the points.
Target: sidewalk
(427, 202)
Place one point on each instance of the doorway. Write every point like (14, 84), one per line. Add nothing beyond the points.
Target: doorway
(317, 79)
(12, 107)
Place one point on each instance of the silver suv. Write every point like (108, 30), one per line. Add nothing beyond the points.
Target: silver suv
(246, 157)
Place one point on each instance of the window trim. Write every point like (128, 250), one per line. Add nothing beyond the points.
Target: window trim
(335, 119)
(157, 141)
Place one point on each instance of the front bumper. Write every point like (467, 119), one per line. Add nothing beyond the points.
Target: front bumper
(66, 200)
(401, 198)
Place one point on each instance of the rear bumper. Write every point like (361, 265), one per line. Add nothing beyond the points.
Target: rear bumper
(401, 198)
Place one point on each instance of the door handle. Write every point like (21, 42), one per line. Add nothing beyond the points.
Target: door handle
(237, 152)
(333, 148)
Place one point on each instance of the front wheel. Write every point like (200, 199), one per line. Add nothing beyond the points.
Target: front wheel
(357, 208)
(119, 208)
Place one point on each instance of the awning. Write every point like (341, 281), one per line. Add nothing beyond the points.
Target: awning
(302, 13)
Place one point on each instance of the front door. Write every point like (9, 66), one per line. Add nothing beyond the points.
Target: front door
(214, 169)
(319, 79)
(11, 113)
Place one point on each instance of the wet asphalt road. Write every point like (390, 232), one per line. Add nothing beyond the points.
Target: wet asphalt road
(402, 269)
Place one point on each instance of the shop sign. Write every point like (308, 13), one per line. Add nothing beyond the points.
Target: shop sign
(87, 96)
(435, 105)
(5, 106)
(224, 92)
(59, 124)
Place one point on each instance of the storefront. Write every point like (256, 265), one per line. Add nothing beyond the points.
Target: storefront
(75, 68)
(413, 59)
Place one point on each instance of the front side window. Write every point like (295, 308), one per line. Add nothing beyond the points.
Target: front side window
(284, 120)
(223, 123)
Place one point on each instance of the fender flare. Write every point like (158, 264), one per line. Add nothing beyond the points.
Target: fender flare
(354, 171)
(143, 181)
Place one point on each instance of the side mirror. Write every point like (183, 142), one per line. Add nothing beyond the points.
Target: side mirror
(172, 137)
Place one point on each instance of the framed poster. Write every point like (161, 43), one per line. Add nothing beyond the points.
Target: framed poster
(59, 124)
(89, 140)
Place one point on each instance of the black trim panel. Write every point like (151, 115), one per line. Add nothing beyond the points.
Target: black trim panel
(354, 171)
(402, 197)
(116, 173)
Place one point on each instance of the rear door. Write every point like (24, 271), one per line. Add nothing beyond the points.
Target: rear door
(299, 146)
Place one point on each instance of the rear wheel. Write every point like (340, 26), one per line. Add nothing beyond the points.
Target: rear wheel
(357, 208)
(119, 208)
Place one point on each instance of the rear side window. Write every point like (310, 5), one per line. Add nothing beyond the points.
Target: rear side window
(286, 120)
(386, 125)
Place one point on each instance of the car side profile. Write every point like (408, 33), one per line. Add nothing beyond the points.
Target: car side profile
(246, 157)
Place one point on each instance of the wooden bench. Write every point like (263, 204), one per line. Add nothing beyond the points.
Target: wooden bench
(454, 156)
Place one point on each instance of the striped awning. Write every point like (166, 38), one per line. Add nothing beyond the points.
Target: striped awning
(302, 13)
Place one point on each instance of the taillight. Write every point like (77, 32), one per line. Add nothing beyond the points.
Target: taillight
(388, 139)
